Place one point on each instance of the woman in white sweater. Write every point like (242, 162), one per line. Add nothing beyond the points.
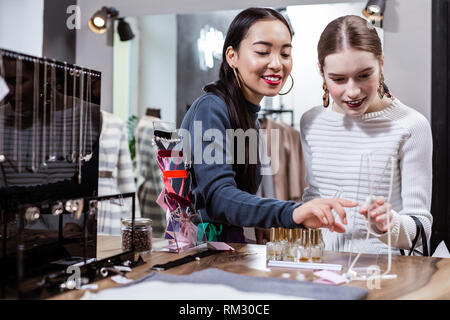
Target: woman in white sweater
(350, 145)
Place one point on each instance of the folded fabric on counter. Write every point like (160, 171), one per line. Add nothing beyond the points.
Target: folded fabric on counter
(215, 284)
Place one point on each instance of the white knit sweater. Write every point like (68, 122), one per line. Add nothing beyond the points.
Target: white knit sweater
(336, 150)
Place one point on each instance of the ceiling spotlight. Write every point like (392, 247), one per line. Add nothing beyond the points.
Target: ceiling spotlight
(374, 10)
(99, 21)
(103, 18)
(124, 30)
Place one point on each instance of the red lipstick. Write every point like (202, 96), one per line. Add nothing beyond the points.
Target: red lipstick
(272, 79)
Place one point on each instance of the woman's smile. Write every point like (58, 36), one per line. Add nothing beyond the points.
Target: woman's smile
(272, 79)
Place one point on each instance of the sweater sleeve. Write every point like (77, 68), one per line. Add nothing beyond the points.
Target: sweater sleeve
(216, 187)
(125, 175)
(415, 156)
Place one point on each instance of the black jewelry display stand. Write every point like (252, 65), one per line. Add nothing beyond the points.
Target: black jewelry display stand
(30, 277)
(50, 125)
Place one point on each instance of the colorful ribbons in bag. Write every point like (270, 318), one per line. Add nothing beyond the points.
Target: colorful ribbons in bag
(176, 197)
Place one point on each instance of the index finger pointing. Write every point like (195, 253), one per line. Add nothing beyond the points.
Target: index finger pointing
(347, 203)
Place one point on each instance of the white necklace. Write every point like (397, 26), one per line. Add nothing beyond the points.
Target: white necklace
(73, 157)
(80, 144)
(88, 156)
(64, 150)
(44, 119)
(34, 160)
(52, 155)
(2, 115)
(18, 115)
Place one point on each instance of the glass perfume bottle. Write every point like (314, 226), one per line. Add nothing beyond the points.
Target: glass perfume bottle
(273, 247)
(291, 247)
(282, 236)
(316, 246)
(304, 249)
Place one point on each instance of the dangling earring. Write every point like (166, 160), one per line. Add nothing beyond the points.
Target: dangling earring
(326, 96)
(381, 91)
(237, 78)
(292, 85)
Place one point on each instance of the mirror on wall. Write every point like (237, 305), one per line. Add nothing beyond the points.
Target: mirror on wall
(173, 56)
(164, 68)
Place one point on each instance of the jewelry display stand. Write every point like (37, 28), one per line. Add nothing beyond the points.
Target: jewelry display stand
(373, 166)
(50, 126)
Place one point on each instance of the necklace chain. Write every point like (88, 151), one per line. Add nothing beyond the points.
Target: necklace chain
(52, 156)
(34, 161)
(64, 150)
(44, 119)
(2, 116)
(18, 115)
(73, 114)
(80, 144)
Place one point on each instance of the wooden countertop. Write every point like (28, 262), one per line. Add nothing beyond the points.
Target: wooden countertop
(417, 277)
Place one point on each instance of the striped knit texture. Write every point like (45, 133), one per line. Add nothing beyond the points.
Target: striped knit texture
(150, 182)
(114, 156)
(353, 155)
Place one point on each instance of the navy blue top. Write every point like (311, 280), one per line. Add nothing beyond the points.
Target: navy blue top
(217, 192)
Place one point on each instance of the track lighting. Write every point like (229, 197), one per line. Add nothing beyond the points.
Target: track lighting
(374, 10)
(103, 18)
(99, 22)
(124, 30)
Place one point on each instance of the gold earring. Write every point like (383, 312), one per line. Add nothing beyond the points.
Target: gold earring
(380, 90)
(292, 85)
(326, 96)
(237, 78)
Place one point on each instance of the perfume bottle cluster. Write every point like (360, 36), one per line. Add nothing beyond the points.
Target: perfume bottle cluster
(298, 245)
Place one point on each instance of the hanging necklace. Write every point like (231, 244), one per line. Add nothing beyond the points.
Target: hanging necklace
(2, 115)
(44, 119)
(88, 156)
(73, 157)
(64, 151)
(52, 155)
(34, 161)
(80, 144)
(18, 115)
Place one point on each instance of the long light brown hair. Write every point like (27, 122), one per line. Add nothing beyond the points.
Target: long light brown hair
(348, 32)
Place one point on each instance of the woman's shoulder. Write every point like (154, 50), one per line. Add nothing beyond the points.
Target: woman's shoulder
(208, 107)
(209, 101)
(311, 114)
(410, 117)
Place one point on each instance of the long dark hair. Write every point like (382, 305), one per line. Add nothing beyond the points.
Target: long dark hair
(228, 89)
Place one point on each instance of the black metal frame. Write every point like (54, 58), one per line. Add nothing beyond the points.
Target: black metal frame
(41, 285)
(277, 111)
(30, 268)
(440, 118)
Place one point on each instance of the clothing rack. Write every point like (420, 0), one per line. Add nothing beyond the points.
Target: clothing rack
(265, 112)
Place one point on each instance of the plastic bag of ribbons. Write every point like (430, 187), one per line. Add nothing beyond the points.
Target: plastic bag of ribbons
(176, 198)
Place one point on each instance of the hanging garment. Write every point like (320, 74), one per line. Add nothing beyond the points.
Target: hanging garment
(295, 165)
(150, 183)
(116, 175)
(265, 190)
(288, 166)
